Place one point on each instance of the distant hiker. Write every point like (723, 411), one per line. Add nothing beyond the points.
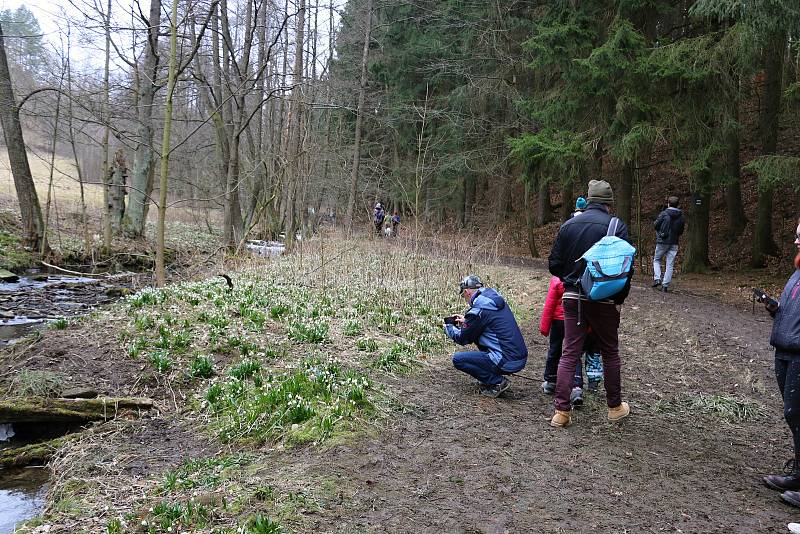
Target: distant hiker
(785, 338)
(378, 215)
(574, 239)
(395, 223)
(489, 324)
(552, 324)
(669, 227)
(580, 206)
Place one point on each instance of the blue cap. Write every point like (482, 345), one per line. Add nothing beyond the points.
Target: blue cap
(581, 203)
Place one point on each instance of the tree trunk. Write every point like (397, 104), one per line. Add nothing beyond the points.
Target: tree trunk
(567, 192)
(53, 145)
(295, 131)
(351, 200)
(763, 242)
(625, 194)
(116, 191)
(30, 210)
(544, 210)
(470, 191)
(143, 159)
(44, 410)
(106, 131)
(530, 221)
(733, 190)
(165, 147)
(696, 258)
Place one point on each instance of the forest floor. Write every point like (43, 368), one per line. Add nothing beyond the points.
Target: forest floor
(400, 441)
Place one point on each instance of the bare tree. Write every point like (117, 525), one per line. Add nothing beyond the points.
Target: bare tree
(29, 207)
(351, 201)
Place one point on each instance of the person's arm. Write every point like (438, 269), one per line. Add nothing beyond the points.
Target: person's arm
(659, 221)
(470, 330)
(550, 304)
(622, 231)
(555, 262)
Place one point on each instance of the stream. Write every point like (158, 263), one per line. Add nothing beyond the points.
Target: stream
(26, 306)
(22, 494)
(31, 302)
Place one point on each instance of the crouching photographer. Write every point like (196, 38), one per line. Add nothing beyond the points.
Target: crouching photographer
(489, 323)
(785, 338)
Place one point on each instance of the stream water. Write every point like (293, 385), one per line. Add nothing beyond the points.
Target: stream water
(22, 494)
(26, 306)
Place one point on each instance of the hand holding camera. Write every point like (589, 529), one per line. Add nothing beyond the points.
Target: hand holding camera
(456, 320)
(769, 303)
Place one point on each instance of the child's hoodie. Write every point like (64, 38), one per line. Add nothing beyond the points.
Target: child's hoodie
(553, 309)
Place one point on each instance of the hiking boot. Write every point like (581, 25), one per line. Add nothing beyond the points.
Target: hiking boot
(495, 390)
(790, 481)
(576, 397)
(548, 387)
(783, 482)
(656, 283)
(665, 289)
(561, 419)
(593, 386)
(792, 497)
(619, 412)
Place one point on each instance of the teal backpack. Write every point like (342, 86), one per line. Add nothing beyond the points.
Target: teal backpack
(609, 264)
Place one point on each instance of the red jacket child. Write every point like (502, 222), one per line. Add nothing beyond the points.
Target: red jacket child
(553, 309)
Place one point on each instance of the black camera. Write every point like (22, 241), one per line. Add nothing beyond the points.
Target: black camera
(450, 320)
(761, 296)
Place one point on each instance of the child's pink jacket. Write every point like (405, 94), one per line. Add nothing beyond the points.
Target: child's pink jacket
(553, 309)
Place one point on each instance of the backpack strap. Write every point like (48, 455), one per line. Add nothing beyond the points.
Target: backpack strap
(612, 226)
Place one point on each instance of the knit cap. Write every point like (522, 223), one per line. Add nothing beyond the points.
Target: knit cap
(581, 203)
(600, 191)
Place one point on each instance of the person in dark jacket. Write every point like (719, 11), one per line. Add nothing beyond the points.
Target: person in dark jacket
(785, 338)
(490, 324)
(574, 238)
(378, 215)
(669, 228)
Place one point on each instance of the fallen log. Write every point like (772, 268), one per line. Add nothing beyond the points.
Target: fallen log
(35, 453)
(41, 409)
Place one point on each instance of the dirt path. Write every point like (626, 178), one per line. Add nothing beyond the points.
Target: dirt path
(463, 463)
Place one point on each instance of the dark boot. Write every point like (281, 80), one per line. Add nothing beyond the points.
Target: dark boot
(788, 482)
(792, 497)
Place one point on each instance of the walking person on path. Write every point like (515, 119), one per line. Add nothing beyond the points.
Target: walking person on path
(669, 227)
(785, 338)
(575, 237)
(378, 215)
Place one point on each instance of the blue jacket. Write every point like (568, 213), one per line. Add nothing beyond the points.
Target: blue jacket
(786, 328)
(490, 324)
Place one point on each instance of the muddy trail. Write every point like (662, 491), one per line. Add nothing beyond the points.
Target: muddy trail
(706, 424)
(462, 463)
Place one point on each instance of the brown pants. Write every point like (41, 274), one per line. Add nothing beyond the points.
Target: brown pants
(604, 320)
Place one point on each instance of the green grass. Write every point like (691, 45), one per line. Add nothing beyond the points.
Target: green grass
(161, 361)
(308, 331)
(261, 524)
(399, 358)
(201, 367)
(730, 409)
(305, 404)
(37, 383)
(60, 324)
